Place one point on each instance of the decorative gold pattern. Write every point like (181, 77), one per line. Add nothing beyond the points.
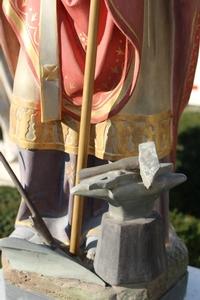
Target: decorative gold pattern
(83, 39)
(112, 139)
(49, 72)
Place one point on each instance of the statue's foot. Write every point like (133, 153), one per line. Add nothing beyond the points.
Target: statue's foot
(26, 233)
(90, 247)
(91, 235)
(91, 232)
(25, 230)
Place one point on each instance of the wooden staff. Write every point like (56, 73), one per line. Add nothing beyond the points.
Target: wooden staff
(84, 133)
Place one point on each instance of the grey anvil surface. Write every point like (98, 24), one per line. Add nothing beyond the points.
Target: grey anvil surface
(124, 190)
(131, 247)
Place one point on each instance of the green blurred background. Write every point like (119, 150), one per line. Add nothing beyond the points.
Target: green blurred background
(184, 200)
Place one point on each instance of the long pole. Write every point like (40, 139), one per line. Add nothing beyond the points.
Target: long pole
(84, 133)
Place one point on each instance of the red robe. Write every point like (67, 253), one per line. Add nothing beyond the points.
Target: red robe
(120, 21)
(114, 55)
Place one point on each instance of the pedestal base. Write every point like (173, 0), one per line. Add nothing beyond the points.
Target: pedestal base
(34, 277)
(187, 288)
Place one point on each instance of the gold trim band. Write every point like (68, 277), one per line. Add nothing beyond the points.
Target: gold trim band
(112, 139)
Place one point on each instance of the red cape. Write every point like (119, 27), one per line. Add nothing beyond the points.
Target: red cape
(127, 16)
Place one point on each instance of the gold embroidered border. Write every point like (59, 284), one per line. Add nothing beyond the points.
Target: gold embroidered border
(122, 134)
(112, 139)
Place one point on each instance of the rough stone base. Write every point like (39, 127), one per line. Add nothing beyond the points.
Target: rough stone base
(67, 289)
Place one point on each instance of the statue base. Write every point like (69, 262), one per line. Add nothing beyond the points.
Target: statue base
(55, 276)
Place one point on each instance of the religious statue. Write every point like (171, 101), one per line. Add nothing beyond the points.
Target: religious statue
(144, 69)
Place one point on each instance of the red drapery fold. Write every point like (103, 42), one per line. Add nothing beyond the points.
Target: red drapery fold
(119, 48)
(118, 54)
(186, 38)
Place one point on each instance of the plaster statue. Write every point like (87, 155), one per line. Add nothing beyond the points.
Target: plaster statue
(146, 58)
(144, 71)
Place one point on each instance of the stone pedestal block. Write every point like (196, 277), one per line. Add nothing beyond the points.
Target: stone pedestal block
(36, 269)
(130, 252)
